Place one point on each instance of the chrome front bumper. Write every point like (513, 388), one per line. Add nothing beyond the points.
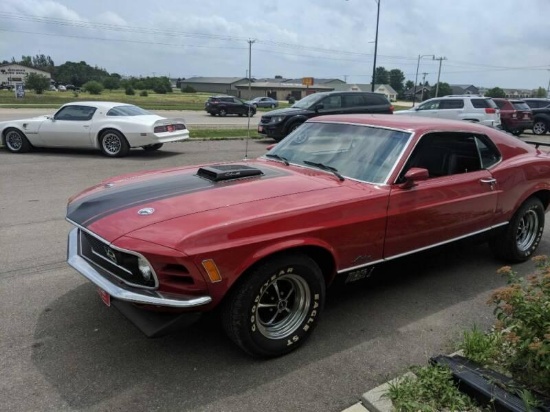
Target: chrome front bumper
(123, 292)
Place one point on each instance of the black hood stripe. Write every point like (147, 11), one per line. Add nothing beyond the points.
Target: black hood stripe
(111, 200)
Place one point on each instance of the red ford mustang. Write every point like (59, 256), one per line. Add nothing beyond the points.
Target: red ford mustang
(263, 239)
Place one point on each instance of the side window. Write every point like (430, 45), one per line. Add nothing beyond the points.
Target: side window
(431, 105)
(75, 113)
(445, 154)
(451, 104)
(374, 100)
(332, 102)
(354, 100)
(488, 152)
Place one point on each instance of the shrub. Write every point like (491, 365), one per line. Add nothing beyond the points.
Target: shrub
(93, 87)
(523, 314)
(130, 91)
(188, 89)
(144, 93)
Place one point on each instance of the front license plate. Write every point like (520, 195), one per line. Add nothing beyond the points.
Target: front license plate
(260, 129)
(105, 297)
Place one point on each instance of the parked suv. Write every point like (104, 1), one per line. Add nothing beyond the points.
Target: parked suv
(515, 115)
(224, 105)
(279, 123)
(541, 114)
(471, 108)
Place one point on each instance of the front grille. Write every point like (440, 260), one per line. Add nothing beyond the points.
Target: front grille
(120, 264)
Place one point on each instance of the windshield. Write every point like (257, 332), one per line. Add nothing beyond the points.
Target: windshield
(363, 153)
(308, 101)
(127, 111)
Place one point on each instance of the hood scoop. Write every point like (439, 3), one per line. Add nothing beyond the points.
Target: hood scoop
(218, 173)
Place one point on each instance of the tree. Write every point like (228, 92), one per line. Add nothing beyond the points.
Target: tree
(78, 73)
(381, 76)
(541, 92)
(396, 80)
(111, 82)
(93, 87)
(495, 92)
(37, 82)
(409, 84)
(444, 89)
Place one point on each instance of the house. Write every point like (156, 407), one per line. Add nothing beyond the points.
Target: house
(464, 89)
(422, 93)
(519, 93)
(384, 89)
(223, 85)
(278, 90)
(12, 73)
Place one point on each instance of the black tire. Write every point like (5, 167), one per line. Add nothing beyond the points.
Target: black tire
(521, 237)
(212, 114)
(293, 287)
(223, 112)
(16, 141)
(113, 144)
(517, 132)
(152, 147)
(540, 127)
(293, 127)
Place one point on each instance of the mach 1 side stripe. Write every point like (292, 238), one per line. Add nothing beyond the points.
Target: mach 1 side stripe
(111, 200)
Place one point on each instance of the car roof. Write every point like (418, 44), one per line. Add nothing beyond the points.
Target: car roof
(99, 104)
(404, 122)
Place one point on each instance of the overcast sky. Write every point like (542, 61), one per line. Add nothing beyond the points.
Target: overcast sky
(503, 43)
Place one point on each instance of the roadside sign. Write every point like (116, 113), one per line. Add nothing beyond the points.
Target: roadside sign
(307, 81)
(19, 90)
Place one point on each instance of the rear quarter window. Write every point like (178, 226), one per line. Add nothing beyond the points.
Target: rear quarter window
(483, 103)
(520, 106)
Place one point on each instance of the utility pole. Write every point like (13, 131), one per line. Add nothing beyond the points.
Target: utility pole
(375, 45)
(438, 75)
(250, 43)
(423, 86)
(416, 76)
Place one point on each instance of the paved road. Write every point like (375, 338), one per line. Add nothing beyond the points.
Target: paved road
(194, 119)
(61, 349)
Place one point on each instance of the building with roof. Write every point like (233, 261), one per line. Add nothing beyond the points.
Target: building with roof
(224, 85)
(384, 89)
(12, 74)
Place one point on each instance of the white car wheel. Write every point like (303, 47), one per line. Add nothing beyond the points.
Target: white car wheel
(114, 144)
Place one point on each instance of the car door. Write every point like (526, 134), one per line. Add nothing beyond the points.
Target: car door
(459, 198)
(451, 109)
(331, 105)
(69, 127)
(428, 108)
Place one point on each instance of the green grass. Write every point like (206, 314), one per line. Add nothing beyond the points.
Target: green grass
(223, 133)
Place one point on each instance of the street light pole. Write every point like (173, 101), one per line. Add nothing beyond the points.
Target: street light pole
(375, 45)
(416, 76)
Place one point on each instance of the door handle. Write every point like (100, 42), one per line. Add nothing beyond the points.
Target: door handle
(490, 181)
(85, 126)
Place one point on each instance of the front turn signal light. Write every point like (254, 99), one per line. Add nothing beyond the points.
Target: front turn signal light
(212, 270)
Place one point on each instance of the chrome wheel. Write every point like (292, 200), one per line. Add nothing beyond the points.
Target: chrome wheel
(539, 127)
(114, 144)
(14, 140)
(527, 231)
(283, 306)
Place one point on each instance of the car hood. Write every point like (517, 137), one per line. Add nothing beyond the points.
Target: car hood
(125, 204)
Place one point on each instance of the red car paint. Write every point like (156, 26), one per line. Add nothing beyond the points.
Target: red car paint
(352, 224)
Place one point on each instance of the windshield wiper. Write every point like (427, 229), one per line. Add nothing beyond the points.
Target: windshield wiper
(276, 156)
(325, 167)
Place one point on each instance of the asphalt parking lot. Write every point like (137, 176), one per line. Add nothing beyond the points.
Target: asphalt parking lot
(61, 349)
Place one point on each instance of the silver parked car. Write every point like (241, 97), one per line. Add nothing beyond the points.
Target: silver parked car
(264, 102)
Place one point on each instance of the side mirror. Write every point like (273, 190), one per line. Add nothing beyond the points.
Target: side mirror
(413, 175)
(319, 106)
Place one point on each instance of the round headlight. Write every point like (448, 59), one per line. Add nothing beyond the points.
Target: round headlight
(145, 269)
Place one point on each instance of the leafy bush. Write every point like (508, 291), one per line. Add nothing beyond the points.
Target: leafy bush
(130, 91)
(523, 313)
(93, 87)
(37, 82)
(188, 89)
(432, 389)
(144, 93)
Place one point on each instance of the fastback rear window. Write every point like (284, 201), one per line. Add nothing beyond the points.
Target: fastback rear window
(127, 111)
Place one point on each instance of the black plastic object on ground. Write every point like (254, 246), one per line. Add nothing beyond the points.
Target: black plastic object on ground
(486, 386)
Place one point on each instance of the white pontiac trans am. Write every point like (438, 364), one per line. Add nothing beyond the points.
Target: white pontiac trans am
(112, 127)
